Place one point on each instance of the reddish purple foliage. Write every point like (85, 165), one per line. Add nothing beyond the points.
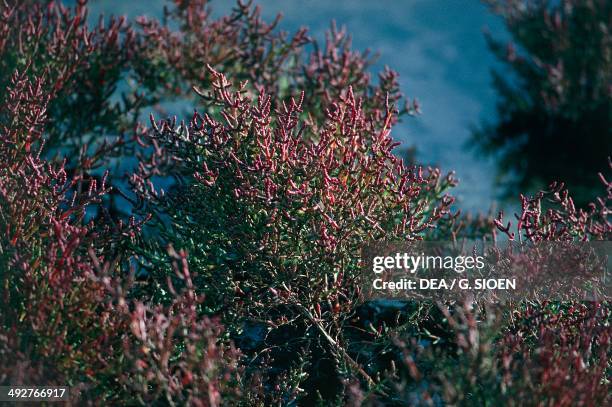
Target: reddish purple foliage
(276, 184)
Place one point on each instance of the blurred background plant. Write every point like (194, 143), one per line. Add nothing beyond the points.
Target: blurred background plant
(554, 96)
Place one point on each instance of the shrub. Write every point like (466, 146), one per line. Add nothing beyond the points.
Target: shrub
(66, 295)
(526, 354)
(273, 211)
(61, 217)
(554, 108)
(518, 353)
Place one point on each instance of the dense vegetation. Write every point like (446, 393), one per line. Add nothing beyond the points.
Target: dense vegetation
(213, 258)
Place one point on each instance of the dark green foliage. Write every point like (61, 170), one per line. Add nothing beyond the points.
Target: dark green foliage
(555, 96)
